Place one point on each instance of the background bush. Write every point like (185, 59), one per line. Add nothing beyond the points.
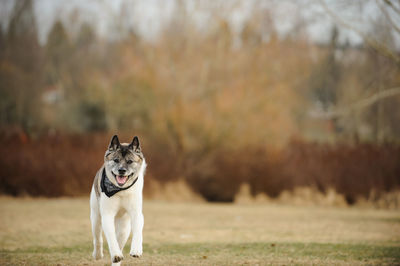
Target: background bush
(66, 165)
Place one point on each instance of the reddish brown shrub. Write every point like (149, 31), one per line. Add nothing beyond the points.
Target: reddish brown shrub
(65, 165)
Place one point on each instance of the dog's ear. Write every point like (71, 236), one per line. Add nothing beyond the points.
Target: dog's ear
(114, 143)
(135, 145)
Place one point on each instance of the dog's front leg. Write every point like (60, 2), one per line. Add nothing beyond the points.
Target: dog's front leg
(107, 221)
(137, 221)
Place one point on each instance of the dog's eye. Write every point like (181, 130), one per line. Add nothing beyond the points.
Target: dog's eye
(116, 160)
(129, 162)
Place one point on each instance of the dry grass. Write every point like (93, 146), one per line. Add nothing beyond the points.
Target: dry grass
(57, 231)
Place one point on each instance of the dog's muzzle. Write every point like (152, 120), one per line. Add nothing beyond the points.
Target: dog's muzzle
(121, 179)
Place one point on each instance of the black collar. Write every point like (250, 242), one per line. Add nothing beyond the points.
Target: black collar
(109, 188)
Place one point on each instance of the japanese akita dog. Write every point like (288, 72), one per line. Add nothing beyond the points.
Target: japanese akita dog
(116, 200)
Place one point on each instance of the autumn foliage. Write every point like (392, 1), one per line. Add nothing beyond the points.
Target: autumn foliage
(215, 107)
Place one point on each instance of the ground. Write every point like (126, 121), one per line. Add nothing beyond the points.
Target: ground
(57, 232)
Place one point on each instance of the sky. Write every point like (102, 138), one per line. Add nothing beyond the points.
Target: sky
(147, 17)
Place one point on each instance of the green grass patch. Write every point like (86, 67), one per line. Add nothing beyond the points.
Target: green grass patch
(308, 250)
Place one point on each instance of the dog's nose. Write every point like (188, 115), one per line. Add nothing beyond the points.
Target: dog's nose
(121, 171)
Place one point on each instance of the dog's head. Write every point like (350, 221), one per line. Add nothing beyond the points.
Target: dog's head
(123, 161)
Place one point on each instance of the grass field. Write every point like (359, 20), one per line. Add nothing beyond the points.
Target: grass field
(57, 232)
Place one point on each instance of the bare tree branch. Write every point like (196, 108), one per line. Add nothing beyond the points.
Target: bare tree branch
(387, 15)
(373, 43)
(395, 8)
(338, 112)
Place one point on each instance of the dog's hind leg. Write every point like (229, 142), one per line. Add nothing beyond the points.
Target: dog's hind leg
(96, 227)
(123, 229)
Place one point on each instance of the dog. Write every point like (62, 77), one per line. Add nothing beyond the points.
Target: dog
(116, 200)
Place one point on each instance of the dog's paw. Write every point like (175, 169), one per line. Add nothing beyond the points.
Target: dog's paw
(97, 254)
(117, 258)
(136, 252)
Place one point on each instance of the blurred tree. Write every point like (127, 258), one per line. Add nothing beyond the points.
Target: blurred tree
(391, 12)
(383, 115)
(324, 80)
(383, 62)
(58, 52)
(249, 35)
(71, 65)
(83, 60)
(92, 116)
(86, 37)
(129, 105)
(2, 43)
(21, 75)
(224, 36)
